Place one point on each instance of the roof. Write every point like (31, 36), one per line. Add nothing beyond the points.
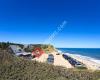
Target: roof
(18, 50)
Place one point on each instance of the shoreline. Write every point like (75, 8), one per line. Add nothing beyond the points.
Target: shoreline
(88, 61)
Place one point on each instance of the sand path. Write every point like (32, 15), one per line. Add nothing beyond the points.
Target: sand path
(58, 60)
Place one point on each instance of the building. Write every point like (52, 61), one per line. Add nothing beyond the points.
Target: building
(18, 51)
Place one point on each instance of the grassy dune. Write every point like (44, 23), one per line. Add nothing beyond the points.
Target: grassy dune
(15, 68)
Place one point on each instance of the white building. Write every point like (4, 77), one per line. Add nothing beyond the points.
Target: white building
(18, 50)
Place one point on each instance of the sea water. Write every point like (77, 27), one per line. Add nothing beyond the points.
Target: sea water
(92, 54)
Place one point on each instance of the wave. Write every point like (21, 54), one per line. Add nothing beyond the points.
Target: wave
(84, 57)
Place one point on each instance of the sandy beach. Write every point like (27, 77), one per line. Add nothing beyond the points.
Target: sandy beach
(89, 64)
(58, 60)
(42, 58)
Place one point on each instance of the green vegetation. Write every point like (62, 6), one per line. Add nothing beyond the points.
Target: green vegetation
(46, 47)
(4, 45)
(82, 67)
(15, 68)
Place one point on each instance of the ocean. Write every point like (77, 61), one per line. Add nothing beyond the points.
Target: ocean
(92, 53)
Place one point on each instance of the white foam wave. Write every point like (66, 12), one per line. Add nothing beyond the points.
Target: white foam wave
(84, 57)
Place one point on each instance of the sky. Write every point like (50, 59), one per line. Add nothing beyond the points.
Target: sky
(33, 21)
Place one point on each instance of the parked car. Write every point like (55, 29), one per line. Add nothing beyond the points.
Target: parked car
(66, 56)
(50, 59)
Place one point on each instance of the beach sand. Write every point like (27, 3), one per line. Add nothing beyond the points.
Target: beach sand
(89, 64)
(58, 60)
(42, 58)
